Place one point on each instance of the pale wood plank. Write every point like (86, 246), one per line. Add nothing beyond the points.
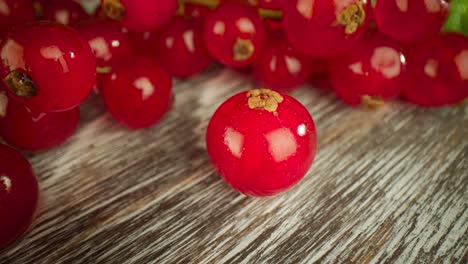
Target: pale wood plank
(387, 186)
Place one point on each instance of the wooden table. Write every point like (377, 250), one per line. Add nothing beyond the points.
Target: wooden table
(386, 186)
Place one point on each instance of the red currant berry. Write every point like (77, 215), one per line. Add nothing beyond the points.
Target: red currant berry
(29, 131)
(234, 34)
(137, 93)
(107, 39)
(410, 20)
(372, 74)
(180, 47)
(15, 13)
(140, 15)
(261, 142)
(66, 12)
(279, 66)
(47, 66)
(439, 71)
(273, 4)
(325, 28)
(18, 195)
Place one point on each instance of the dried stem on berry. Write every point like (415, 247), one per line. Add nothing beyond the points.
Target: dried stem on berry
(371, 103)
(243, 49)
(103, 70)
(113, 9)
(264, 99)
(351, 18)
(20, 84)
(209, 3)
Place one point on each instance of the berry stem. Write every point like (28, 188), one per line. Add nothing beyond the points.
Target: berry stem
(268, 13)
(264, 99)
(103, 70)
(351, 18)
(243, 49)
(20, 84)
(371, 103)
(113, 9)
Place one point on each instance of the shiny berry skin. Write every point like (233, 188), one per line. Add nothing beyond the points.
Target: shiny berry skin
(137, 93)
(373, 73)
(196, 11)
(439, 71)
(47, 66)
(234, 34)
(18, 195)
(29, 131)
(66, 12)
(140, 15)
(180, 47)
(261, 142)
(15, 13)
(273, 4)
(410, 20)
(319, 74)
(107, 39)
(325, 28)
(279, 66)
(140, 42)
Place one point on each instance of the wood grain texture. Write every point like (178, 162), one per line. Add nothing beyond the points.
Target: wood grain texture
(386, 186)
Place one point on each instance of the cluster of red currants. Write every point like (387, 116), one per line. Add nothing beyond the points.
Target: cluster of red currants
(261, 141)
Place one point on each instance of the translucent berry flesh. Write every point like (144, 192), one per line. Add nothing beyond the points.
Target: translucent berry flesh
(325, 28)
(370, 75)
(107, 39)
(234, 34)
(279, 66)
(410, 20)
(18, 195)
(25, 130)
(66, 12)
(15, 13)
(140, 15)
(47, 66)
(180, 47)
(137, 92)
(439, 71)
(261, 142)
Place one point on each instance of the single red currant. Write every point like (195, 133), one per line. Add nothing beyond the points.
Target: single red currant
(410, 20)
(279, 66)
(107, 39)
(234, 34)
(138, 92)
(325, 28)
(66, 12)
(47, 66)
(261, 142)
(140, 15)
(372, 74)
(15, 13)
(438, 69)
(180, 48)
(29, 131)
(18, 195)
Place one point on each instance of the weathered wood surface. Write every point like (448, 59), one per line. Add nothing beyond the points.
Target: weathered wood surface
(386, 186)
